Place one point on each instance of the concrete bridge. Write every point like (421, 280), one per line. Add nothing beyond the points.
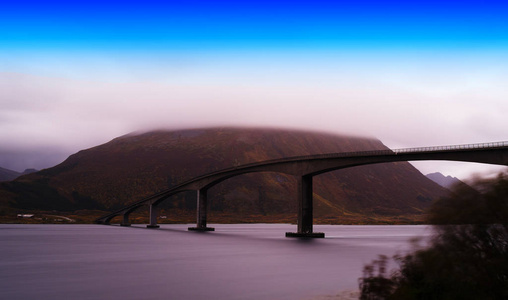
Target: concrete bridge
(304, 168)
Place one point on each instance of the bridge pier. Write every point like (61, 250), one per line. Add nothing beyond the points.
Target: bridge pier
(125, 221)
(202, 208)
(153, 217)
(305, 210)
(107, 221)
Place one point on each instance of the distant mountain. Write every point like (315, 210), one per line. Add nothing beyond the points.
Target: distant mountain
(8, 175)
(134, 166)
(444, 181)
(29, 171)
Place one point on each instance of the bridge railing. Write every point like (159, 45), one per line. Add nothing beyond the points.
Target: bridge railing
(381, 152)
(453, 147)
(341, 154)
(370, 153)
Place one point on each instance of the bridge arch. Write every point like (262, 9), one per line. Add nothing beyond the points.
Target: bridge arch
(305, 167)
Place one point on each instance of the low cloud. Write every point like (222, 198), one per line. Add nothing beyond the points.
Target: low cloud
(71, 114)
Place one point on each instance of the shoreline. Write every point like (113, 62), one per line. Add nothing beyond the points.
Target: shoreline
(186, 217)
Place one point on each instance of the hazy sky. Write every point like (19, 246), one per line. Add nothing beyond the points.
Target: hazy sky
(76, 75)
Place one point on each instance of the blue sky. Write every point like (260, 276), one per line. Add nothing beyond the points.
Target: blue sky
(77, 74)
(152, 25)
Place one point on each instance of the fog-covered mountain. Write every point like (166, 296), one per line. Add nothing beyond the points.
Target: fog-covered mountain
(134, 166)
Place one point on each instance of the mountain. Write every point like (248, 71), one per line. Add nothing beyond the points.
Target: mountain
(446, 182)
(137, 165)
(29, 171)
(8, 175)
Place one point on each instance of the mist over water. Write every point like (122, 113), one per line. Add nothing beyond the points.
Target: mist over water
(252, 261)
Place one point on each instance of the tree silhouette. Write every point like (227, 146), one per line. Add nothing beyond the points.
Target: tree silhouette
(467, 257)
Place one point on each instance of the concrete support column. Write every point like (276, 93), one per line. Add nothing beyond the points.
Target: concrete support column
(153, 217)
(202, 209)
(125, 221)
(305, 210)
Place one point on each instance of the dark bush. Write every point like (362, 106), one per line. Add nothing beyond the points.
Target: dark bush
(467, 257)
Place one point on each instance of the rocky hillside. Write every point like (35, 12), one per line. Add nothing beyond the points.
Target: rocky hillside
(131, 167)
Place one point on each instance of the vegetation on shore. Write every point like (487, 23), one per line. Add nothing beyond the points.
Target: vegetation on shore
(467, 258)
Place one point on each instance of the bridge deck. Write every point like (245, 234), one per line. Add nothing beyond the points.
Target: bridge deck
(311, 165)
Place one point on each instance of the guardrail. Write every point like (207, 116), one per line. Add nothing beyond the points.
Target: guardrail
(382, 152)
(453, 147)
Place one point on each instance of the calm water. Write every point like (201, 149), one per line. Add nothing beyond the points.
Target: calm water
(253, 261)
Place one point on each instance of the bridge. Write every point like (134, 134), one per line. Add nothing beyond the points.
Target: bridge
(304, 168)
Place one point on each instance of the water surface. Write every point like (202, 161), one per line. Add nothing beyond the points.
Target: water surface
(246, 261)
